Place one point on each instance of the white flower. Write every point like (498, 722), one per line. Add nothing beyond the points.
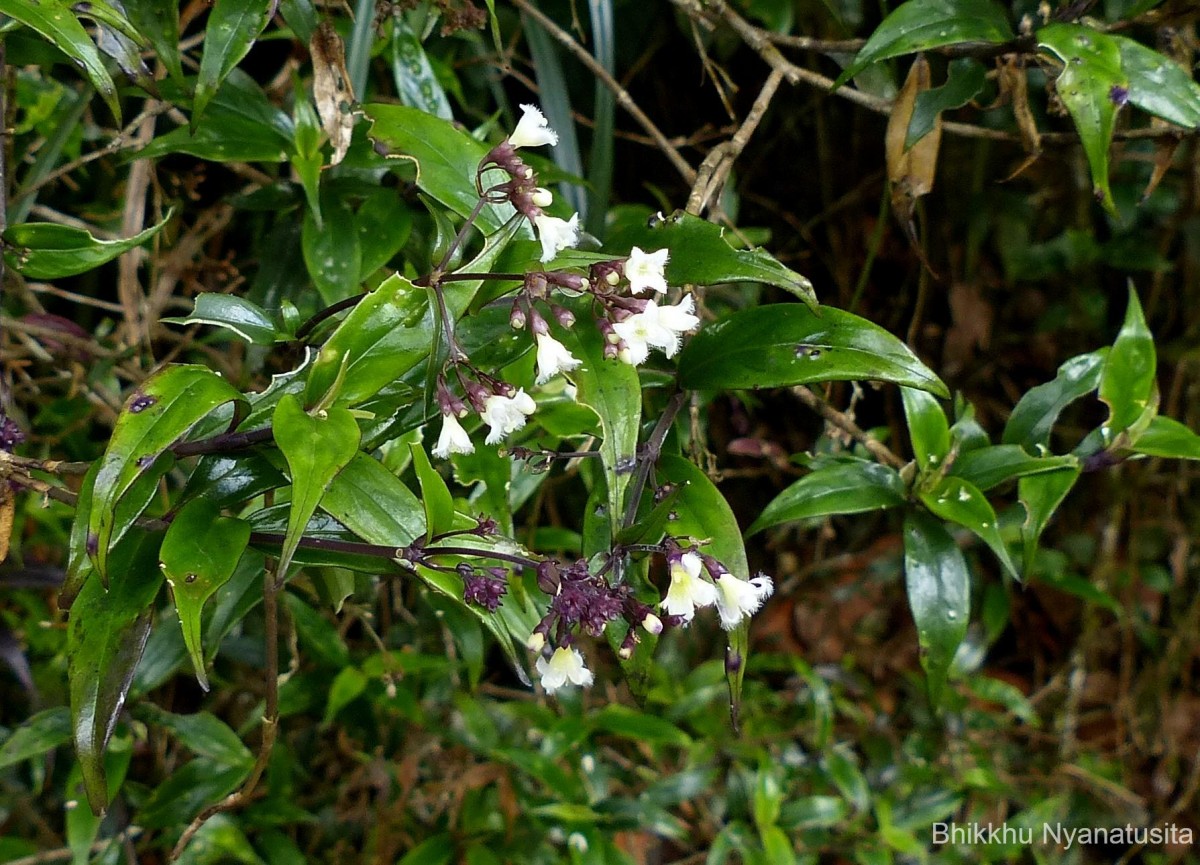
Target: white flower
(646, 270)
(556, 234)
(552, 358)
(453, 440)
(565, 665)
(657, 326)
(737, 599)
(688, 591)
(506, 414)
(532, 129)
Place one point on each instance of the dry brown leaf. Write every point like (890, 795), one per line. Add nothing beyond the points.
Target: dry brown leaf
(911, 171)
(332, 90)
(1014, 86)
(8, 510)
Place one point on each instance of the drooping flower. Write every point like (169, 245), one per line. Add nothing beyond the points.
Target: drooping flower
(453, 439)
(533, 130)
(564, 667)
(552, 358)
(679, 319)
(506, 414)
(658, 327)
(688, 590)
(646, 270)
(738, 598)
(556, 234)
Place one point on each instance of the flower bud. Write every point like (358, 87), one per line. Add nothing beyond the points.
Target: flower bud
(653, 624)
(563, 315)
(536, 642)
(542, 197)
(516, 318)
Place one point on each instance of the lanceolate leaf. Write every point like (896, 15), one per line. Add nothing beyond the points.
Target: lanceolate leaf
(842, 488)
(959, 502)
(46, 250)
(923, 24)
(1041, 494)
(439, 504)
(1168, 438)
(939, 594)
(374, 504)
(927, 427)
(1037, 411)
(1127, 383)
(988, 467)
(246, 319)
(158, 22)
(1157, 84)
(154, 417)
(316, 449)
(56, 21)
(229, 33)
(198, 556)
(39, 735)
(786, 344)
(416, 83)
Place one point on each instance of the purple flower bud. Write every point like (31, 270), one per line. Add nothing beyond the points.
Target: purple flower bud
(516, 318)
(484, 590)
(11, 435)
(1118, 95)
(563, 316)
(547, 577)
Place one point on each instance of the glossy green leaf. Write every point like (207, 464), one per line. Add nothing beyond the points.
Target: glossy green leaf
(246, 319)
(841, 488)
(416, 84)
(227, 480)
(56, 21)
(1041, 494)
(439, 504)
(1127, 382)
(920, 25)
(46, 250)
(188, 790)
(118, 39)
(939, 594)
(158, 22)
(202, 733)
(346, 687)
(229, 33)
(156, 415)
(384, 223)
(957, 501)
(613, 390)
(38, 735)
(1158, 84)
(219, 840)
(79, 563)
(82, 825)
(639, 726)
(965, 79)
(1091, 85)
(105, 638)
(1037, 411)
(1165, 437)
(198, 556)
(316, 449)
(701, 255)
(374, 504)
(927, 427)
(786, 344)
(332, 252)
(447, 158)
(988, 467)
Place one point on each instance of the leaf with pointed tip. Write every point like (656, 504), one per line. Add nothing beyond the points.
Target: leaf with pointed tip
(229, 33)
(316, 449)
(154, 417)
(158, 22)
(246, 319)
(1127, 382)
(988, 467)
(965, 78)
(1041, 494)
(1165, 437)
(46, 250)
(842, 488)
(927, 427)
(439, 504)
(958, 501)
(416, 83)
(779, 345)
(939, 595)
(1035, 414)
(198, 556)
(1158, 84)
(374, 504)
(38, 735)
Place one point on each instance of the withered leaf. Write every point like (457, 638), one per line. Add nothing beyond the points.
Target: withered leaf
(8, 510)
(332, 89)
(1014, 85)
(911, 171)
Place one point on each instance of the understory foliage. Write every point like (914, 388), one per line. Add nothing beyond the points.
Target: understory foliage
(605, 433)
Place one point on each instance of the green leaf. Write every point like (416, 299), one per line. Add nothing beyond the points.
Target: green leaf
(842, 488)
(848, 778)
(332, 252)
(439, 504)
(105, 638)
(1158, 84)
(701, 255)
(612, 389)
(384, 223)
(447, 158)
(153, 418)
(198, 556)
(1041, 494)
(38, 735)
(317, 634)
(927, 427)
(229, 33)
(204, 734)
(920, 25)
(416, 84)
(346, 687)
(965, 79)
(779, 345)
(939, 594)
(158, 22)
(316, 449)
(187, 791)
(246, 319)
(1037, 411)
(1127, 383)
(46, 250)
(1088, 85)
(219, 842)
(638, 726)
(374, 504)
(988, 467)
(956, 500)
(56, 21)
(1165, 437)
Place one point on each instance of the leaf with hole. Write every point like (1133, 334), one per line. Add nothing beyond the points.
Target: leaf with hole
(1035, 414)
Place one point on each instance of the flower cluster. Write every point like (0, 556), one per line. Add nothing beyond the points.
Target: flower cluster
(499, 404)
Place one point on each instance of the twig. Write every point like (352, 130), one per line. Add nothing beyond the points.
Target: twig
(61, 854)
(129, 291)
(622, 95)
(875, 447)
(648, 458)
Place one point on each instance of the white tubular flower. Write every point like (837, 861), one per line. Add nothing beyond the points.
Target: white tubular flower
(646, 270)
(564, 668)
(453, 440)
(506, 414)
(532, 129)
(552, 358)
(657, 326)
(737, 599)
(556, 234)
(688, 591)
